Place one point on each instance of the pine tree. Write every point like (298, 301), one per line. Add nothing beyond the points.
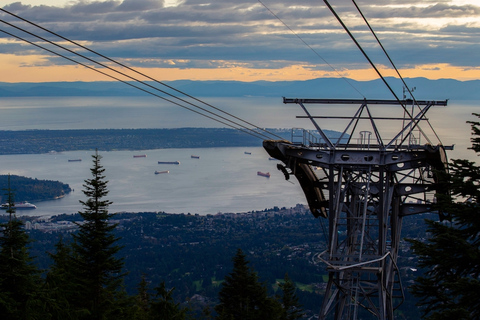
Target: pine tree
(20, 281)
(142, 303)
(450, 286)
(60, 288)
(291, 308)
(242, 296)
(97, 270)
(163, 306)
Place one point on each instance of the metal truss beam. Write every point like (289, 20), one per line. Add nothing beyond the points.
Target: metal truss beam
(364, 190)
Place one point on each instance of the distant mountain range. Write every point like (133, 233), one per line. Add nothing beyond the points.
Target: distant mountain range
(425, 89)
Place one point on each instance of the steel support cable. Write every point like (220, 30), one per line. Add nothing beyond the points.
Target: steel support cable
(250, 132)
(138, 72)
(258, 133)
(132, 78)
(376, 70)
(393, 65)
(311, 48)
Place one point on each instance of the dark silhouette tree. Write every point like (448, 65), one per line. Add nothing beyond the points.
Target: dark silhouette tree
(97, 270)
(142, 301)
(450, 286)
(243, 297)
(20, 296)
(60, 287)
(291, 308)
(163, 306)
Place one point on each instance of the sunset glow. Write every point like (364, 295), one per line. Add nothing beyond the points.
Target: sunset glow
(244, 42)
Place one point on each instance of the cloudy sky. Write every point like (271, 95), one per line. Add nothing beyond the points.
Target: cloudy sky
(243, 40)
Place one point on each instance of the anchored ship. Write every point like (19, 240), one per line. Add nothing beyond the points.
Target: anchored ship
(168, 162)
(263, 174)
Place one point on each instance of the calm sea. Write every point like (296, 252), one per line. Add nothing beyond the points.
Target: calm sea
(222, 180)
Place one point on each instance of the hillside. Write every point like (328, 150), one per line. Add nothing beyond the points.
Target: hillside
(28, 189)
(193, 253)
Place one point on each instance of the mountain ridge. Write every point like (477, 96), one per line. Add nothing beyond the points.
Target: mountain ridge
(425, 89)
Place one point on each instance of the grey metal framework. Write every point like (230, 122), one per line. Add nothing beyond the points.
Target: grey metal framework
(364, 184)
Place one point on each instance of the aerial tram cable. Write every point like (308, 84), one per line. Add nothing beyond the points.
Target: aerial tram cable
(384, 51)
(371, 63)
(135, 71)
(393, 65)
(256, 133)
(311, 48)
(249, 131)
(123, 74)
(415, 122)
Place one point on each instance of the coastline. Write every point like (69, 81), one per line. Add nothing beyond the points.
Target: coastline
(56, 141)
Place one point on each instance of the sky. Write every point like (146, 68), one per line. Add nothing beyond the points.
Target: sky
(242, 40)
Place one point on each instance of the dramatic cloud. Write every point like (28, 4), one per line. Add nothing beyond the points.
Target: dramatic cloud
(219, 33)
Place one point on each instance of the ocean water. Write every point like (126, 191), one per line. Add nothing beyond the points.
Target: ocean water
(136, 112)
(222, 180)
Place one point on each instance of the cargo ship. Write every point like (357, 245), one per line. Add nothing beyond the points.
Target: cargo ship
(264, 174)
(195, 157)
(246, 152)
(140, 156)
(20, 206)
(168, 162)
(160, 172)
(74, 160)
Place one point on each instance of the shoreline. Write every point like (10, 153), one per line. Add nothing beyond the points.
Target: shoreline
(57, 141)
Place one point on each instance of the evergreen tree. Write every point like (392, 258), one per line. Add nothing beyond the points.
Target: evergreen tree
(291, 308)
(450, 286)
(163, 307)
(20, 281)
(142, 303)
(59, 285)
(97, 270)
(243, 297)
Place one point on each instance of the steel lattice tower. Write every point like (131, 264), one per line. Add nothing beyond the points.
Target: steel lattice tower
(364, 184)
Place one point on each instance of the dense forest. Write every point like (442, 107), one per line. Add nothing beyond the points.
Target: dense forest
(29, 189)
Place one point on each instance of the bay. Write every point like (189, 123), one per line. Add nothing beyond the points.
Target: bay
(221, 180)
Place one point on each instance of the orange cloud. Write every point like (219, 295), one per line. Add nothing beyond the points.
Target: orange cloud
(33, 69)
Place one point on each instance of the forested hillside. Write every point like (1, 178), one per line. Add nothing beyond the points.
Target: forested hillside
(28, 189)
(193, 253)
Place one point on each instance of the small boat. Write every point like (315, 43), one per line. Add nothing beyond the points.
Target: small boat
(263, 174)
(140, 156)
(246, 152)
(160, 172)
(19, 206)
(194, 157)
(168, 162)
(74, 160)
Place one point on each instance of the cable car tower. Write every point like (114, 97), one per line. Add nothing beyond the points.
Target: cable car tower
(379, 169)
